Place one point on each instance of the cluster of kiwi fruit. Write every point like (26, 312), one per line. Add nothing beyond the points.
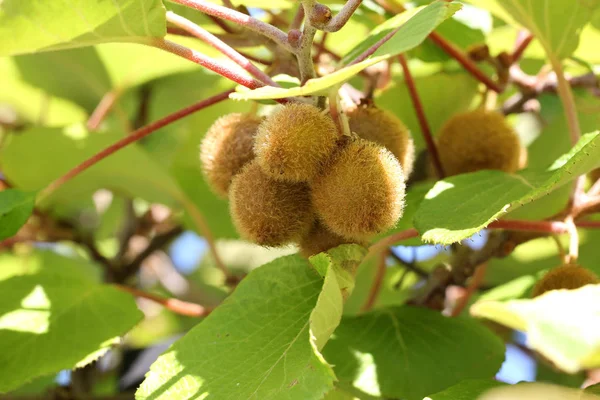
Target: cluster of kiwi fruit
(292, 177)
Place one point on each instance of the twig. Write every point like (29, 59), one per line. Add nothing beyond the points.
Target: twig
(474, 284)
(207, 62)
(175, 305)
(465, 61)
(338, 118)
(365, 54)
(103, 108)
(135, 136)
(342, 17)
(382, 244)
(588, 224)
(218, 44)
(530, 226)
(377, 283)
(532, 88)
(157, 242)
(303, 53)
(256, 25)
(298, 18)
(418, 106)
(409, 266)
(524, 38)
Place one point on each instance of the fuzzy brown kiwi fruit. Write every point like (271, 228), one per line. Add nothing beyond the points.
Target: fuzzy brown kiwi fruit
(267, 211)
(478, 140)
(226, 148)
(320, 239)
(564, 277)
(361, 191)
(293, 143)
(384, 128)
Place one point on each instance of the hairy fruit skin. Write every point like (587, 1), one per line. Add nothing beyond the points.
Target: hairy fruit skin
(226, 148)
(361, 192)
(320, 239)
(478, 140)
(269, 212)
(564, 277)
(293, 143)
(384, 128)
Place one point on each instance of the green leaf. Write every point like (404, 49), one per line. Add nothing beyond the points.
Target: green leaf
(31, 104)
(38, 314)
(406, 352)
(560, 324)
(556, 24)
(34, 26)
(496, 194)
(338, 266)
(595, 389)
(77, 75)
(258, 339)
(469, 389)
(412, 32)
(15, 208)
(40, 155)
(48, 262)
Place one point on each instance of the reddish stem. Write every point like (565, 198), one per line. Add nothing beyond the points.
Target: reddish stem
(374, 47)
(382, 244)
(135, 136)
(103, 108)
(530, 226)
(377, 283)
(222, 24)
(418, 106)
(465, 61)
(175, 305)
(524, 38)
(207, 62)
(218, 44)
(298, 18)
(241, 19)
(588, 224)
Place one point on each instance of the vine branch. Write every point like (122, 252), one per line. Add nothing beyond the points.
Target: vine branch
(246, 21)
(418, 106)
(207, 62)
(218, 44)
(175, 305)
(342, 17)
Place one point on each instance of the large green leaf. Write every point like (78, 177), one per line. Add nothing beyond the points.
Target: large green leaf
(50, 322)
(469, 389)
(76, 74)
(15, 208)
(35, 262)
(556, 24)
(406, 352)
(411, 33)
(39, 25)
(39, 155)
(31, 104)
(451, 212)
(259, 339)
(560, 324)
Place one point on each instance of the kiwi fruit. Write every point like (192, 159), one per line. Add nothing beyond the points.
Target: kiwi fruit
(226, 148)
(384, 128)
(269, 212)
(478, 140)
(564, 277)
(361, 192)
(293, 143)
